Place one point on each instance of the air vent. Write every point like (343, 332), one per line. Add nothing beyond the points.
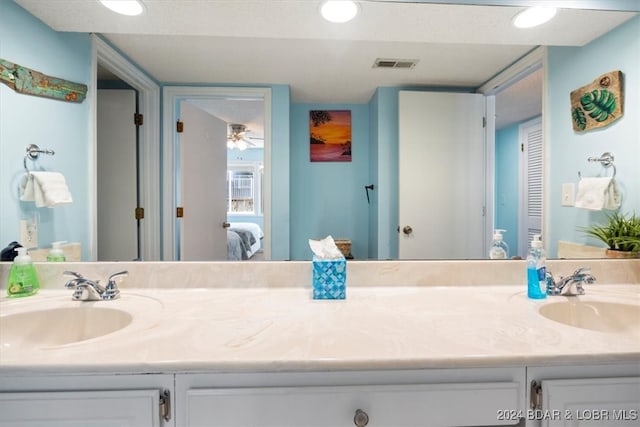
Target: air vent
(395, 63)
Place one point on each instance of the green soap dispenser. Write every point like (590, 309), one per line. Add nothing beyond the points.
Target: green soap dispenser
(56, 254)
(23, 279)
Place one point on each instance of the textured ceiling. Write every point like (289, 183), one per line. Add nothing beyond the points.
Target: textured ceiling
(287, 42)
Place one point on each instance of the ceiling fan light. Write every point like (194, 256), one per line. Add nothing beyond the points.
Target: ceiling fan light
(124, 7)
(241, 145)
(534, 16)
(339, 11)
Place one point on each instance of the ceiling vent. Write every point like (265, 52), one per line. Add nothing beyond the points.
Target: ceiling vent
(395, 63)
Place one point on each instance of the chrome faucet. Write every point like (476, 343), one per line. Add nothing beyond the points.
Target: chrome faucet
(89, 290)
(570, 285)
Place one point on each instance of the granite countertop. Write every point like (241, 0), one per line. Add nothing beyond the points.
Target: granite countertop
(266, 329)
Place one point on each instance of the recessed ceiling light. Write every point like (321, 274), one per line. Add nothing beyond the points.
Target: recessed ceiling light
(124, 7)
(339, 11)
(534, 16)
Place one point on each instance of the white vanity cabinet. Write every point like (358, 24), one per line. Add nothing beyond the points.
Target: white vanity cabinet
(473, 397)
(86, 401)
(606, 395)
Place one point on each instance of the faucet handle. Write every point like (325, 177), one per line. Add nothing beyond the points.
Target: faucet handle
(581, 271)
(552, 286)
(111, 290)
(72, 283)
(583, 275)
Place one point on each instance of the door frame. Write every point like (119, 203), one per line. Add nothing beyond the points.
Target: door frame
(149, 152)
(529, 63)
(172, 95)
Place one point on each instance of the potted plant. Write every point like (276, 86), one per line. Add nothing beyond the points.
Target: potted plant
(621, 234)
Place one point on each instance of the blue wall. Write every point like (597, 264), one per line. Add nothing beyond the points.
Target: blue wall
(567, 151)
(507, 185)
(329, 198)
(60, 126)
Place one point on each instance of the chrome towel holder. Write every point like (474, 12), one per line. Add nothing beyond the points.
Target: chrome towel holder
(33, 152)
(606, 160)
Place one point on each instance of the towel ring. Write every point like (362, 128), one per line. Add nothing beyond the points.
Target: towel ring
(33, 152)
(606, 160)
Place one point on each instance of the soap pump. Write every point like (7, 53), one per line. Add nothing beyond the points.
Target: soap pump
(23, 279)
(499, 248)
(536, 270)
(56, 254)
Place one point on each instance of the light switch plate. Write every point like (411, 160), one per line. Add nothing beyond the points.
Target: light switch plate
(28, 233)
(568, 194)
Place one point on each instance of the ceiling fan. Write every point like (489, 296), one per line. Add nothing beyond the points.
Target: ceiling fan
(237, 137)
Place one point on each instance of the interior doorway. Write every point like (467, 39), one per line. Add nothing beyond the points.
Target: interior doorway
(149, 152)
(201, 96)
(117, 172)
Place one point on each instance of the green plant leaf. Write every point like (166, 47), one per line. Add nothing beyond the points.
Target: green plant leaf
(579, 118)
(599, 103)
(621, 232)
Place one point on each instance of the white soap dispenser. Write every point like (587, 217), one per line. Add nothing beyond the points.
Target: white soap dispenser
(56, 254)
(499, 248)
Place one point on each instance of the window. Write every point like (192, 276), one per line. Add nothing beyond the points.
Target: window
(244, 189)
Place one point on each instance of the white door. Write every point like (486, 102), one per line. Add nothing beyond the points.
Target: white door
(530, 214)
(441, 176)
(203, 168)
(117, 175)
(117, 408)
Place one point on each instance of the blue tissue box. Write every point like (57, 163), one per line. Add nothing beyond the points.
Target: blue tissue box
(329, 278)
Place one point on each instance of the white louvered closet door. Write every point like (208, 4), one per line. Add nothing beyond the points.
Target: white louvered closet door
(530, 215)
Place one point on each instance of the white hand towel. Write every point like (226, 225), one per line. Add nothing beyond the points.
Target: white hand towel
(613, 198)
(46, 189)
(598, 193)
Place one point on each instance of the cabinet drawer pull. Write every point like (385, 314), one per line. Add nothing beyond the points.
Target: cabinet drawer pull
(361, 419)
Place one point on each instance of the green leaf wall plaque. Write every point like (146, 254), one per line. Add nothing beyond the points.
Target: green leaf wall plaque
(32, 82)
(599, 103)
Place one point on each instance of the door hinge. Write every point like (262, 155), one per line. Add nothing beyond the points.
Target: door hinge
(138, 119)
(139, 213)
(165, 405)
(535, 402)
(179, 212)
(179, 126)
(522, 148)
(484, 122)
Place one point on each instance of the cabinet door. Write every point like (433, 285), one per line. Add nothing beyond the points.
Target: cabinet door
(117, 408)
(591, 402)
(460, 404)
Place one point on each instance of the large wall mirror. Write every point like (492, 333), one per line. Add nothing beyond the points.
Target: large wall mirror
(305, 63)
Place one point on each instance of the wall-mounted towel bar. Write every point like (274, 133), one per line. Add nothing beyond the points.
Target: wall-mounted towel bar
(33, 152)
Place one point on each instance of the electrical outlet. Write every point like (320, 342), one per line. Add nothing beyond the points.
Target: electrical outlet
(568, 194)
(28, 233)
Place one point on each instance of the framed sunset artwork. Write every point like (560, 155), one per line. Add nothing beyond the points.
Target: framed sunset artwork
(330, 135)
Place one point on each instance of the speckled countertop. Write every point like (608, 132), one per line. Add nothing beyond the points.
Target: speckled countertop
(276, 329)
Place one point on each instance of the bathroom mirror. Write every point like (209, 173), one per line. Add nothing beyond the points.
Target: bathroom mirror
(129, 43)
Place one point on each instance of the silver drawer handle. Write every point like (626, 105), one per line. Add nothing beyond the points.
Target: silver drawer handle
(361, 419)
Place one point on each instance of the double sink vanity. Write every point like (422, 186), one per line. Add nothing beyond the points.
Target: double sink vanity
(415, 343)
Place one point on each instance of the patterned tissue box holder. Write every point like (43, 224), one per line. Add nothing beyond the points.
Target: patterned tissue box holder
(329, 278)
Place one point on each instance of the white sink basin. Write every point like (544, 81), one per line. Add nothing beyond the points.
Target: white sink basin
(60, 326)
(594, 315)
(51, 320)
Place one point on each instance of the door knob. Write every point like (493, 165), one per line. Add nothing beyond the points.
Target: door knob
(407, 229)
(226, 225)
(361, 419)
